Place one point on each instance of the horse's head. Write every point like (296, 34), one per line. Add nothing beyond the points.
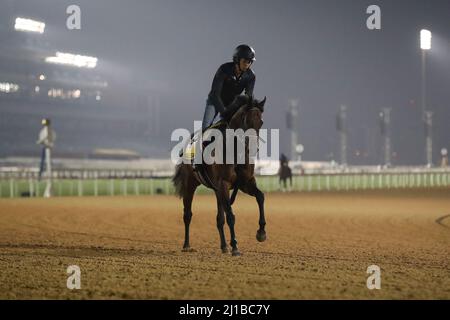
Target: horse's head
(249, 116)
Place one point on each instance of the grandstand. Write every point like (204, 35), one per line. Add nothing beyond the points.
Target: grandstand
(85, 103)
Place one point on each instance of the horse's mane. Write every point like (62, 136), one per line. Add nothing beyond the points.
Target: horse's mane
(244, 106)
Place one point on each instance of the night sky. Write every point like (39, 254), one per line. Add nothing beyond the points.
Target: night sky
(320, 52)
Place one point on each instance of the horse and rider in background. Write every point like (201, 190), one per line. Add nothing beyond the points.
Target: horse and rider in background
(285, 173)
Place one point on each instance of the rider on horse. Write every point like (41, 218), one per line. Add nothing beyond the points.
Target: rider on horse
(224, 99)
(230, 81)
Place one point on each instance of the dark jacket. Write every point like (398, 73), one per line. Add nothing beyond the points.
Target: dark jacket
(226, 86)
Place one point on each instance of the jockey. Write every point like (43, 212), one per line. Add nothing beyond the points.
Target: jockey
(230, 80)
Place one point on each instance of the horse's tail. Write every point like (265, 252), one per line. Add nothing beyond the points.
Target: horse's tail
(179, 180)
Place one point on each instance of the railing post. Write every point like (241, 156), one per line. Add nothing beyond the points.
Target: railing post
(11, 188)
(95, 183)
(111, 187)
(30, 187)
(166, 185)
(136, 186)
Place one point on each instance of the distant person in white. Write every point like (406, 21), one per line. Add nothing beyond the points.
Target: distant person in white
(47, 137)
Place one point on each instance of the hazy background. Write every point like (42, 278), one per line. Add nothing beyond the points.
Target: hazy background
(159, 58)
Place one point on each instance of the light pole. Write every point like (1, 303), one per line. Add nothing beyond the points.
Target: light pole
(385, 128)
(341, 126)
(292, 124)
(425, 45)
(444, 160)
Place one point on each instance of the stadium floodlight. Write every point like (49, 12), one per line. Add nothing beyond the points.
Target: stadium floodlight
(7, 87)
(73, 60)
(23, 24)
(425, 45)
(425, 39)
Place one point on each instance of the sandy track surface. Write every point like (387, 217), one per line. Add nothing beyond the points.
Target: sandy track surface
(318, 246)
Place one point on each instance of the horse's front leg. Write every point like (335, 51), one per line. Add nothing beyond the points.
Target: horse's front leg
(223, 196)
(252, 189)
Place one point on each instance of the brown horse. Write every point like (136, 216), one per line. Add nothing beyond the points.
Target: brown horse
(285, 173)
(222, 178)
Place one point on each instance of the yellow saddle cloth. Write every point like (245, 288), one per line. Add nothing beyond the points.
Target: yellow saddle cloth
(189, 150)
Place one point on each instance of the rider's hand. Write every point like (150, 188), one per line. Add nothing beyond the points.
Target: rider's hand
(226, 114)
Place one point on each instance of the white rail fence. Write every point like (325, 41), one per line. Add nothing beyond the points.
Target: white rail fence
(26, 183)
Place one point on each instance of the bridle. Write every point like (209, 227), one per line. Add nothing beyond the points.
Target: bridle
(242, 139)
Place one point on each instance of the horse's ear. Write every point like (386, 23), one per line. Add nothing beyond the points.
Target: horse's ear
(249, 103)
(261, 104)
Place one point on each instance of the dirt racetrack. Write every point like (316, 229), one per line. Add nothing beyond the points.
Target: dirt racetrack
(318, 246)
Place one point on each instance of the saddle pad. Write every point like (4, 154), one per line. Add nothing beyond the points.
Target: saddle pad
(189, 150)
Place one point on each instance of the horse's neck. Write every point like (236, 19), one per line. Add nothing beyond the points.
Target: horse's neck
(236, 121)
(239, 125)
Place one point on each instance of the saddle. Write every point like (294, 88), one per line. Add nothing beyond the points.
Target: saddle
(189, 151)
(239, 101)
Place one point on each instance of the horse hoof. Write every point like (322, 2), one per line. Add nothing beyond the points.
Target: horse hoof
(261, 236)
(188, 249)
(224, 250)
(235, 253)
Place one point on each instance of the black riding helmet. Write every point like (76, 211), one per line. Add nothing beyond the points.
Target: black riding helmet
(243, 51)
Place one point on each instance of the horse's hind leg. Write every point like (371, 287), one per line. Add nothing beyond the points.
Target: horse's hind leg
(220, 224)
(224, 198)
(187, 216)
